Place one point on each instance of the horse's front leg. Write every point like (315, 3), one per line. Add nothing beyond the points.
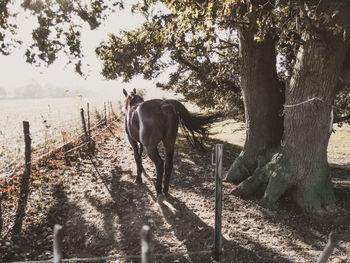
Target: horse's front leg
(138, 158)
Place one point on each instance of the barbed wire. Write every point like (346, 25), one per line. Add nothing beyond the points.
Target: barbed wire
(59, 127)
(5, 173)
(75, 148)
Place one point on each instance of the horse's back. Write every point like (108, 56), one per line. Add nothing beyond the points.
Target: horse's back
(158, 120)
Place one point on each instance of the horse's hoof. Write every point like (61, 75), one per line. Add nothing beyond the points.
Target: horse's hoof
(139, 180)
(165, 190)
(160, 198)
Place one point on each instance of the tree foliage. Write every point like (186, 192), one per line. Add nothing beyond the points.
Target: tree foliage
(58, 28)
(195, 40)
(6, 28)
(198, 41)
(202, 55)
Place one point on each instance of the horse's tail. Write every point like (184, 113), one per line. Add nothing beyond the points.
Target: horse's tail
(194, 125)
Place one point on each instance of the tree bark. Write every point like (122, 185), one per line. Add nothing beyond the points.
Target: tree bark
(263, 98)
(301, 162)
(308, 125)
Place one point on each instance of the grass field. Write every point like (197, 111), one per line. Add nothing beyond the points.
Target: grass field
(51, 121)
(338, 148)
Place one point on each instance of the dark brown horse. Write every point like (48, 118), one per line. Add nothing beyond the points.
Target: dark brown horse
(149, 122)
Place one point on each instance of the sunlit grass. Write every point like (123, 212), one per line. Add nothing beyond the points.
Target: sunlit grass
(52, 122)
(338, 149)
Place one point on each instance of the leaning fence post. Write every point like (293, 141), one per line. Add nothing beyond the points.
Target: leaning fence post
(105, 111)
(145, 244)
(110, 110)
(327, 251)
(84, 127)
(24, 182)
(57, 244)
(217, 250)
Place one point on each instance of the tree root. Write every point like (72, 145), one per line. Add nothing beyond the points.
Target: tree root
(319, 199)
(272, 174)
(316, 196)
(241, 169)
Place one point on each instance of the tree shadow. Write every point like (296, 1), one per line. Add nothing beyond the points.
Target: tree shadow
(22, 204)
(197, 164)
(192, 232)
(311, 229)
(196, 235)
(80, 237)
(303, 227)
(130, 206)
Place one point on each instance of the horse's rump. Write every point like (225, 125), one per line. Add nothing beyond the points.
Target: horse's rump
(157, 121)
(193, 124)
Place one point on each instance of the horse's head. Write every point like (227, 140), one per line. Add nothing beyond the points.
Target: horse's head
(131, 99)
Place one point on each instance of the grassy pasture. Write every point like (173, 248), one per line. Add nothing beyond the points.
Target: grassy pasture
(52, 121)
(338, 149)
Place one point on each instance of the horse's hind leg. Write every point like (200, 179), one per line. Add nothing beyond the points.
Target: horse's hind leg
(168, 168)
(155, 157)
(138, 158)
(169, 144)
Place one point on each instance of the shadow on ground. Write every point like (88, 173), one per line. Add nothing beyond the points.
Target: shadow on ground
(100, 223)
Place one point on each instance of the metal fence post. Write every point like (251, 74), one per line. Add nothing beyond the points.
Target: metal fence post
(145, 244)
(217, 250)
(57, 244)
(327, 251)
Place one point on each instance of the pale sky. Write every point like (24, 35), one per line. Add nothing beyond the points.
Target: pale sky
(15, 72)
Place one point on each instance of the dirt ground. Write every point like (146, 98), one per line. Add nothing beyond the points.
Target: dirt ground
(102, 211)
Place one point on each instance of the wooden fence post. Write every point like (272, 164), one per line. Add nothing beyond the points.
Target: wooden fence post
(105, 111)
(88, 124)
(327, 251)
(145, 244)
(217, 250)
(28, 148)
(22, 203)
(84, 127)
(57, 244)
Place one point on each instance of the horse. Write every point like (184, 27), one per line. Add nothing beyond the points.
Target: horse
(147, 123)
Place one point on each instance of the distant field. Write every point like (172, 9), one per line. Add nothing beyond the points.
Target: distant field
(338, 148)
(51, 121)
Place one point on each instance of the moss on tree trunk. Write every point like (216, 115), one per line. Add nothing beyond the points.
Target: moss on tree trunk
(263, 100)
(300, 162)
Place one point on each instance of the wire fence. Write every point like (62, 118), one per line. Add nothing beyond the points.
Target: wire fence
(45, 145)
(146, 254)
(47, 137)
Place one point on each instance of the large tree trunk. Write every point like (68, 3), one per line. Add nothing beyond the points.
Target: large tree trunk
(263, 98)
(308, 124)
(301, 162)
